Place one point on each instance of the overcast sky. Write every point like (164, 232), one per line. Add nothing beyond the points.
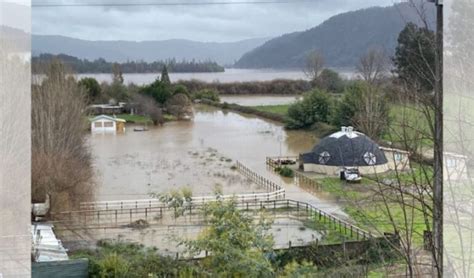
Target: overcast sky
(195, 22)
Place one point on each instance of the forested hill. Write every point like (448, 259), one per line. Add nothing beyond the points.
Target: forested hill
(341, 39)
(102, 66)
(223, 53)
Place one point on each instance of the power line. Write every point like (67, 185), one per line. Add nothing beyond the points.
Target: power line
(131, 4)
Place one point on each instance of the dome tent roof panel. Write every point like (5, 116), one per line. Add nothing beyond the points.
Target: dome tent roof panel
(346, 148)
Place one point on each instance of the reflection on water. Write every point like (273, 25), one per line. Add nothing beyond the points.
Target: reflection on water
(198, 154)
(247, 100)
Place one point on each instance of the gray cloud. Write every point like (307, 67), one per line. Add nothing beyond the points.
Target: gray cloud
(194, 22)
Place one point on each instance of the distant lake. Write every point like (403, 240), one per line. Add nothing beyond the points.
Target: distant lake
(230, 75)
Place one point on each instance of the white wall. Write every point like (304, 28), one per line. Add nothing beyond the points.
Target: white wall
(103, 126)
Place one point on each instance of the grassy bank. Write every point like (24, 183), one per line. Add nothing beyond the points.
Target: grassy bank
(281, 109)
(375, 212)
(247, 110)
(136, 119)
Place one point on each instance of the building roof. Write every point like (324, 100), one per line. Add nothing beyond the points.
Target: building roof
(346, 148)
(46, 247)
(106, 117)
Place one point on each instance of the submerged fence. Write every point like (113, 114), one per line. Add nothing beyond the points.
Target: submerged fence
(112, 218)
(301, 179)
(274, 191)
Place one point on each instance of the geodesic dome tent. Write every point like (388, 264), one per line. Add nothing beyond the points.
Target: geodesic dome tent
(345, 148)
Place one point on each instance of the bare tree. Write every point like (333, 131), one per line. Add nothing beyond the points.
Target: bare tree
(314, 64)
(148, 106)
(61, 162)
(180, 106)
(371, 116)
(373, 66)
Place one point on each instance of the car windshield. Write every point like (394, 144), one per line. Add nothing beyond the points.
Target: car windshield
(352, 171)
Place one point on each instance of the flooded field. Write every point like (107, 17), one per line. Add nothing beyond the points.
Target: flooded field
(198, 154)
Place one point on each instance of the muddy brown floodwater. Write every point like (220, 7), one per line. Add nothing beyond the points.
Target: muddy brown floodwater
(198, 154)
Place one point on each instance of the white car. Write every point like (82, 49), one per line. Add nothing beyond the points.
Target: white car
(351, 174)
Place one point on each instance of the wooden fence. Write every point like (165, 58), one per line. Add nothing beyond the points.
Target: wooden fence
(111, 218)
(274, 191)
(300, 179)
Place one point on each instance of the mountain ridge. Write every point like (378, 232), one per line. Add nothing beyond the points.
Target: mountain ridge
(224, 53)
(341, 39)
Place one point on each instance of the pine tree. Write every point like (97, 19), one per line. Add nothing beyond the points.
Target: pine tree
(165, 78)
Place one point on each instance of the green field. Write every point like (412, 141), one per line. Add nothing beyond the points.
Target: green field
(408, 123)
(367, 208)
(137, 119)
(281, 109)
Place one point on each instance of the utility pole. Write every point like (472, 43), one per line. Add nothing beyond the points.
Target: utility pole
(438, 145)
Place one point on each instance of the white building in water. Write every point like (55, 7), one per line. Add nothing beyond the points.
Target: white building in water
(107, 124)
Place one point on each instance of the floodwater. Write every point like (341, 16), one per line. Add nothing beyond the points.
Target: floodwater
(230, 75)
(247, 100)
(198, 154)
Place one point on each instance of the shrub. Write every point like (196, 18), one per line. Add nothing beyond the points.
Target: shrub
(315, 107)
(285, 172)
(208, 94)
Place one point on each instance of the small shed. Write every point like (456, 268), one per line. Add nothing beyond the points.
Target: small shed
(107, 124)
(397, 159)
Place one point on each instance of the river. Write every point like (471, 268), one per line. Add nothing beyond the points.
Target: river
(230, 75)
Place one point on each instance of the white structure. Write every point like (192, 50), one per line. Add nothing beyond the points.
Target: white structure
(107, 124)
(455, 167)
(350, 148)
(397, 159)
(46, 247)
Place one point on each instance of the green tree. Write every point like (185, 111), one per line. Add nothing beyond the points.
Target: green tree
(346, 107)
(158, 91)
(91, 87)
(165, 78)
(315, 107)
(299, 270)
(330, 81)
(115, 92)
(415, 57)
(365, 107)
(236, 244)
(180, 89)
